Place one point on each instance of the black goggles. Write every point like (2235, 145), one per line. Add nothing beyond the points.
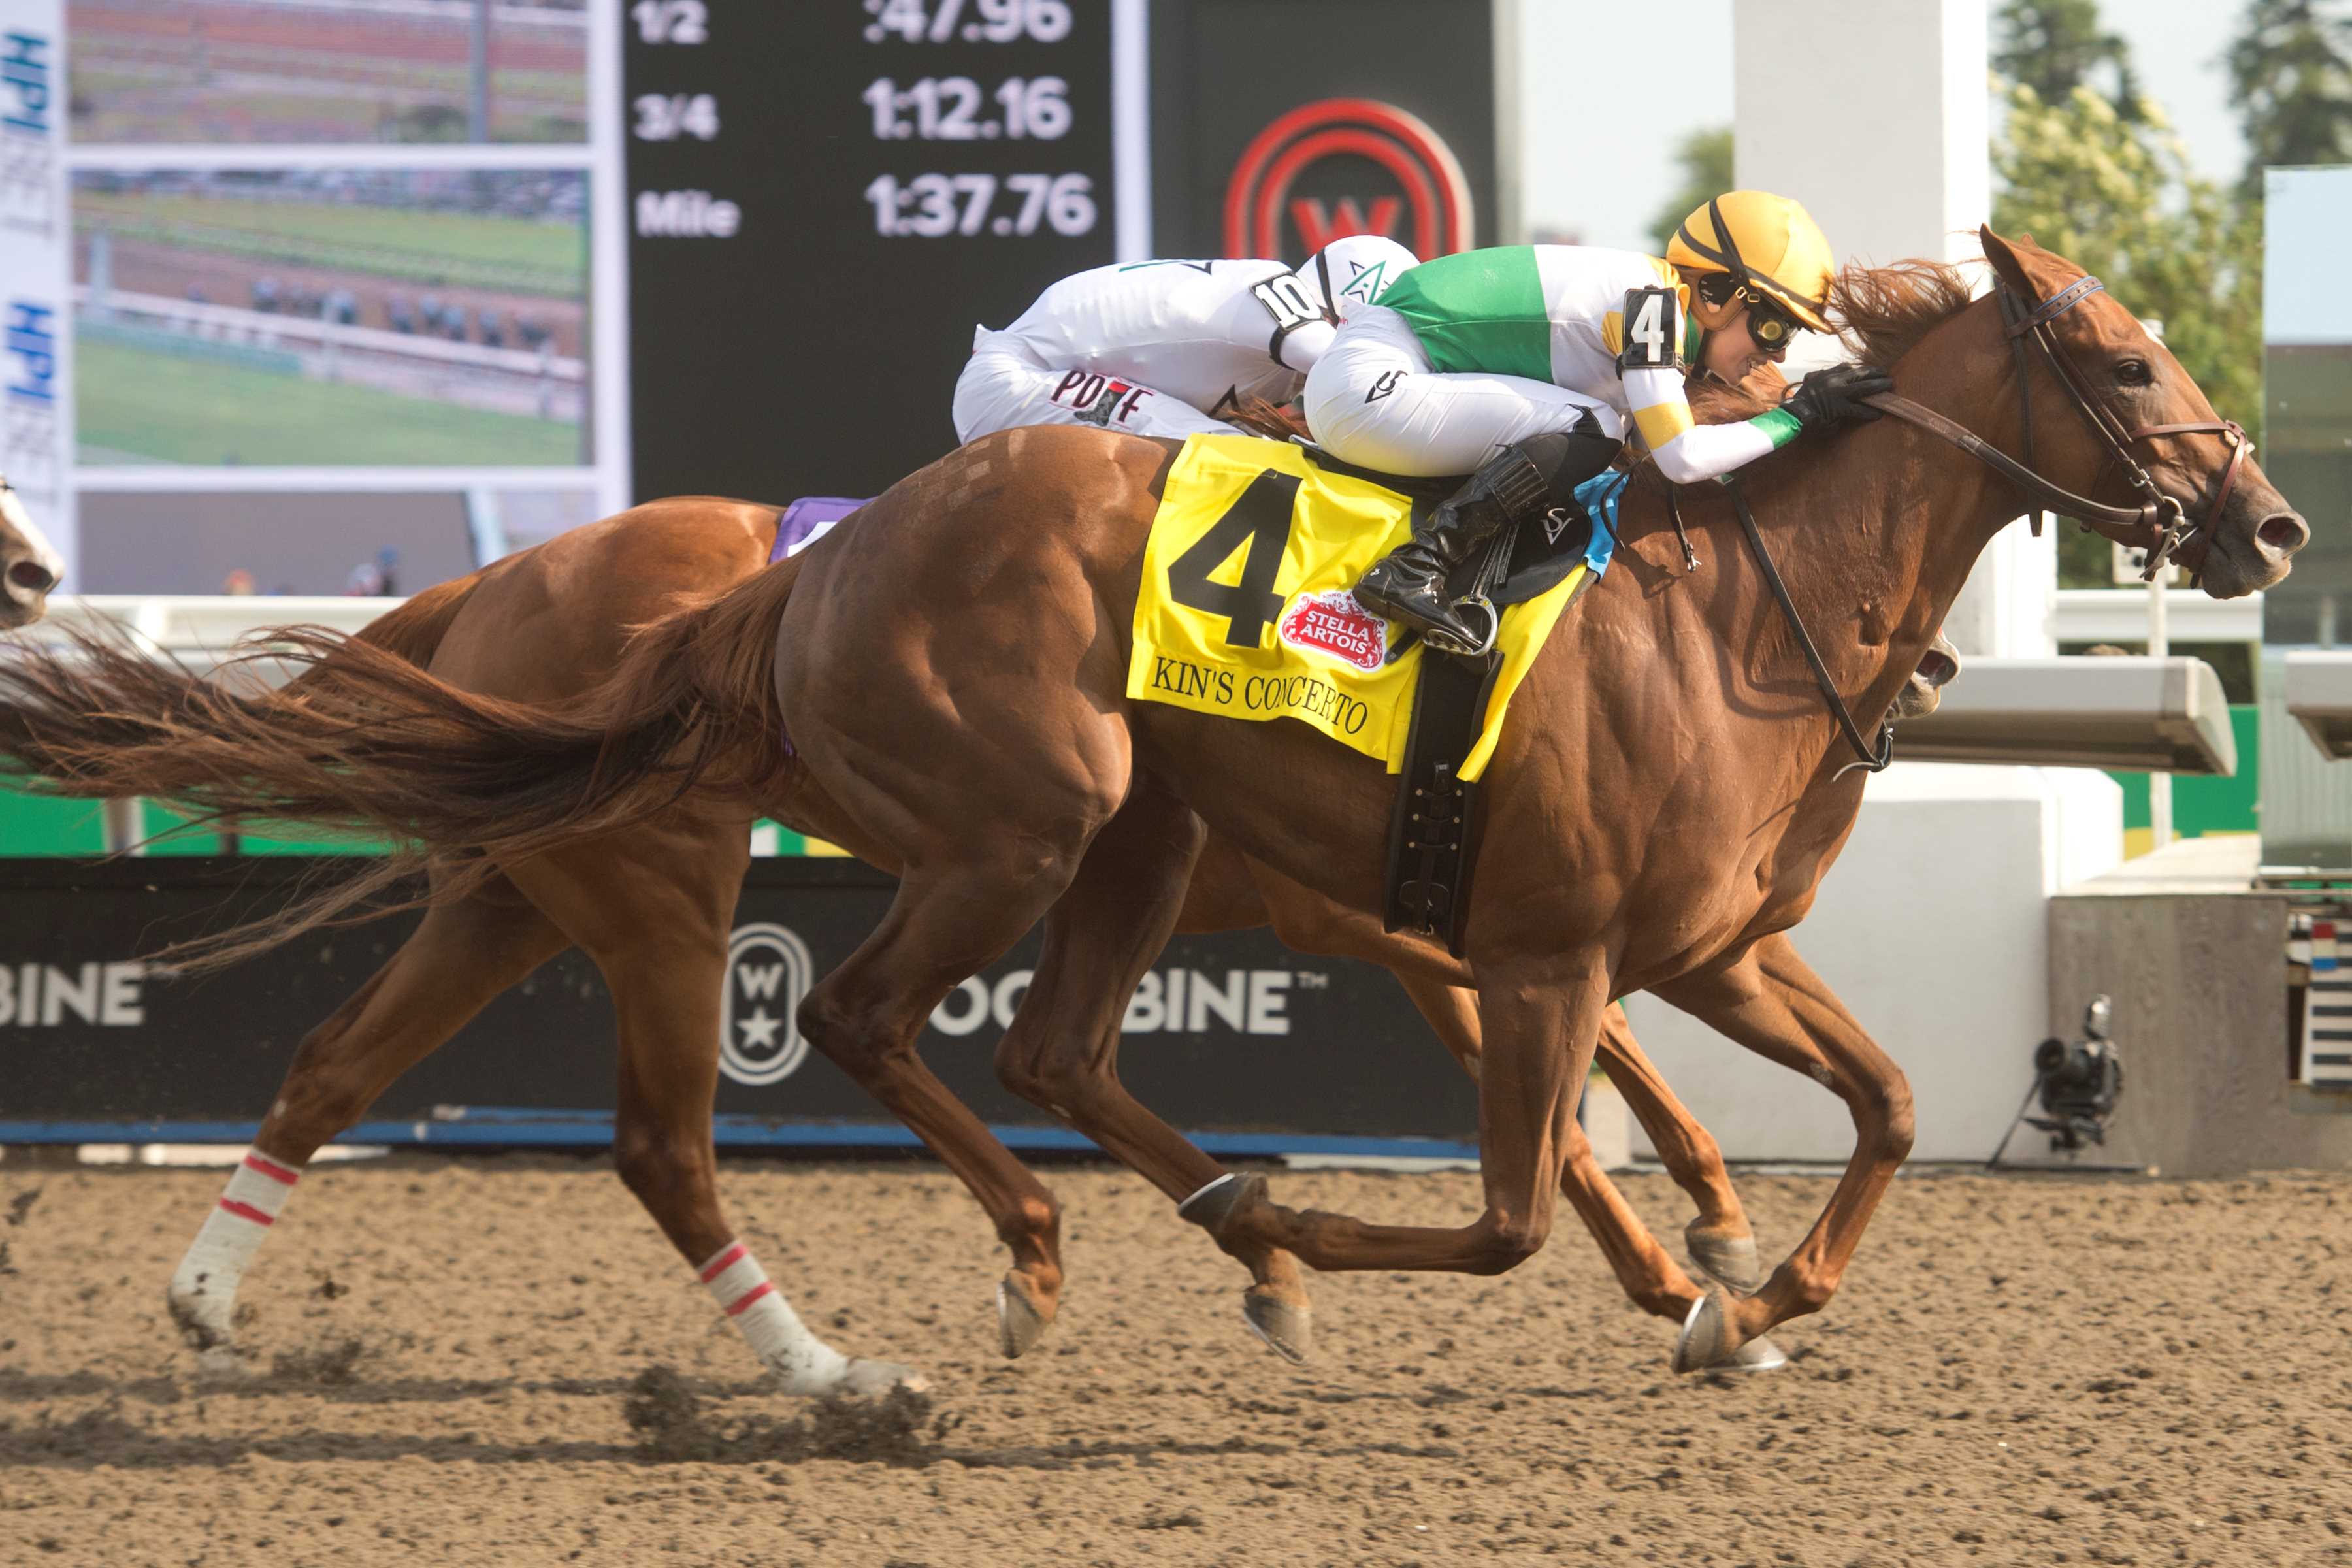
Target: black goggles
(1769, 322)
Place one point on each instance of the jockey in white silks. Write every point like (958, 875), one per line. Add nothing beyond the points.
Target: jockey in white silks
(1170, 348)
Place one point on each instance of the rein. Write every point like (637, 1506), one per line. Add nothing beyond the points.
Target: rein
(1873, 760)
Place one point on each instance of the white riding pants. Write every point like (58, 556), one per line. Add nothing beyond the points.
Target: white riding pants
(1005, 386)
(1373, 400)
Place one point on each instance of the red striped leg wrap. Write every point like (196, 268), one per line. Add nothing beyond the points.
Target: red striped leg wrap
(203, 1287)
(775, 1333)
(258, 1189)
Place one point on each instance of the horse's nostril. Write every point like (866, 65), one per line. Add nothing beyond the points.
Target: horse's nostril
(32, 576)
(2284, 531)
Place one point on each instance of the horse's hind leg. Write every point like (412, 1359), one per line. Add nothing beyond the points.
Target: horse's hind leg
(1775, 1005)
(1062, 1052)
(950, 921)
(462, 955)
(653, 907)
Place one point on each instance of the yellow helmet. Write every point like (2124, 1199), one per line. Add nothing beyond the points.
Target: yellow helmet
(1767, 244)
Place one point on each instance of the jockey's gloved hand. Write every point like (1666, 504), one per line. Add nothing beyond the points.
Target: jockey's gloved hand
(1828, 398)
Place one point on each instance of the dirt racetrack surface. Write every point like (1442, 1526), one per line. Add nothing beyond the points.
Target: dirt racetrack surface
(453, 1363)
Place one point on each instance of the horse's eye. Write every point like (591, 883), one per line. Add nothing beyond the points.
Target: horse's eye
(2133, 373)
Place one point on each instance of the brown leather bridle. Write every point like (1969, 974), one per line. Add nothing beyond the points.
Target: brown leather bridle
(2155, 526)
(2159, 524)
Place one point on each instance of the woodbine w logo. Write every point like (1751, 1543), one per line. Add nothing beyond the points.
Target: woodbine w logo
(1342, 166)
(768, 971)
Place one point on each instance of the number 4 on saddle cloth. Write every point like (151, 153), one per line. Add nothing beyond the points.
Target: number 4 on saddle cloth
(1244, 611)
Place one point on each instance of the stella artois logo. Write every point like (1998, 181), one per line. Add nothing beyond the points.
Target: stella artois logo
(1342, 166)
(1332, 624)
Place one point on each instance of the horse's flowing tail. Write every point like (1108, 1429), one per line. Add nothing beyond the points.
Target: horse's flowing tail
(364, 742)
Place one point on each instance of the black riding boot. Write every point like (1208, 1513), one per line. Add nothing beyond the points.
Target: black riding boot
(1408, 585)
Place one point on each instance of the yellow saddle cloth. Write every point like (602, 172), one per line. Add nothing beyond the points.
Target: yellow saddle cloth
(1245, 611)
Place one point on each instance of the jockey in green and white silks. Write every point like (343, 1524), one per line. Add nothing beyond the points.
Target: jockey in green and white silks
(1527, 366)
(1165, 348)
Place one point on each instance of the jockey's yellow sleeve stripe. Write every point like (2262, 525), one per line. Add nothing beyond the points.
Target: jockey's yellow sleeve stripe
(1612, 332)
(1662, 422)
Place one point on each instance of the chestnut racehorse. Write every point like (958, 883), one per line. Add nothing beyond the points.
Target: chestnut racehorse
(1666, 800)
(545, 624)
(29, 565)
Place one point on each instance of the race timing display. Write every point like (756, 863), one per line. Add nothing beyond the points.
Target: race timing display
(825, 200)
(822, 200)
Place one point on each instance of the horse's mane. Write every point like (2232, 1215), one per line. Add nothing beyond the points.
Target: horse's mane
(1273, 421)
(1885, 311)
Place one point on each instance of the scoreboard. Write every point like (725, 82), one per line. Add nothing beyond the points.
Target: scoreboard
(819, 200)
(823, 199)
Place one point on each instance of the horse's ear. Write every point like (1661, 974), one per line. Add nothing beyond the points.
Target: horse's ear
(2007, 265)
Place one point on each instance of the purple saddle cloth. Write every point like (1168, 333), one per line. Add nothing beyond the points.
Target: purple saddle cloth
(805, 519)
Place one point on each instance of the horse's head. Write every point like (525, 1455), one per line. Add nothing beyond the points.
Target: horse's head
(2126, 383)
(1924, 690)
(29, 567)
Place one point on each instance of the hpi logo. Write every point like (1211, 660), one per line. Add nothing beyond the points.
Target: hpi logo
(26, 73)
(1343, 166)
(768, 973)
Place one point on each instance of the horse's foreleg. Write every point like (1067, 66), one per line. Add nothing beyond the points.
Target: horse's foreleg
(1775, 1005)
(1719, 1239)
(1309, 923)
(1650, 1279)
(461, 956)
(1540, 1021)
(1062, 1051)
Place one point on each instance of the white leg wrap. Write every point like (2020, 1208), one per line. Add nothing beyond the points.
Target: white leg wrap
(806, 1364)
(203, 1287)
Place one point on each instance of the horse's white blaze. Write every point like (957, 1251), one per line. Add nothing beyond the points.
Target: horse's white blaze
(12, 513)
(203, 1287)
(777, 1336)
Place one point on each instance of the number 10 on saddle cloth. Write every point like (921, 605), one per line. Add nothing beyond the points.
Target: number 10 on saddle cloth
(1245, 608)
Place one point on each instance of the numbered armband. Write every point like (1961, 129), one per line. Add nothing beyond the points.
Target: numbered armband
(1652, 331)
(1287, 301)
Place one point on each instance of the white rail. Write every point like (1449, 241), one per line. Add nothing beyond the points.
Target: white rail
(2130, 711)
(239, 325)
(2120, 615)
(197, 623)
(2319, 695)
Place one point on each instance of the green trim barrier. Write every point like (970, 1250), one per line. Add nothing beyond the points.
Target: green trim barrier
(2203, 805)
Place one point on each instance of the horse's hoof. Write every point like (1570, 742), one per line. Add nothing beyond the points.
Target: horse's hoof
(1729, 1260)
(1756, 1355)
(1287, 1329)
(1708, 1337)
(881, 1377)
(1020, 1322)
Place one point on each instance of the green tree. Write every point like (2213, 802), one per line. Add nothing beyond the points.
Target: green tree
(2117, 194)
(2291, 67)
(2056, 45)
(1706, 160)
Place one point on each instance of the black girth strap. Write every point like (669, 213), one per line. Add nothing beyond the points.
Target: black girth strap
(1873, 760)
